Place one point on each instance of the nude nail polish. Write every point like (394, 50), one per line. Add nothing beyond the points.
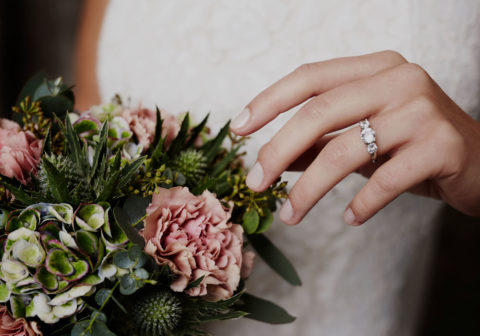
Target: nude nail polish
(286, 212)
(241, 119)
(255, 176)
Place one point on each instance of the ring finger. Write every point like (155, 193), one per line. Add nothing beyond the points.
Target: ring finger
(343, 155)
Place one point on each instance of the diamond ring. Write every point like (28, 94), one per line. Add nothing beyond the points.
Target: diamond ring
(368, 137)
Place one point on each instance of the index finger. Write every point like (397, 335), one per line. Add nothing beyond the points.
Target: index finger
(307, 81)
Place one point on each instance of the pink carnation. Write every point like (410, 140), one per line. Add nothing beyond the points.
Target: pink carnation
(19, 151)
(193, 236)
(142, 122)
(18, 327)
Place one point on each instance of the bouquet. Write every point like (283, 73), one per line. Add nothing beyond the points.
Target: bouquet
(126, 221)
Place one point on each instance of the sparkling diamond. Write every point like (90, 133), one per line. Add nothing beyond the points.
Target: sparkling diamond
(364, 123)
(368, 135)
(372, 148)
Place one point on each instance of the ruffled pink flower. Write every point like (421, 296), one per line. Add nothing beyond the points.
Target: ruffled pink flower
(247, 264)
(19, 151)
(142, 122)
(18, 327)
(193, 236)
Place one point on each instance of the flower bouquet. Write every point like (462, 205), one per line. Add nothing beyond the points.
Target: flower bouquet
(126, 221)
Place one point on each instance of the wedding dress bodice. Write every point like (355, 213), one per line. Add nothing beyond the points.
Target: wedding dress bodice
(215, 56)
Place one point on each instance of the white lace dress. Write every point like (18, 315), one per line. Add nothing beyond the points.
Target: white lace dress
(214, 56)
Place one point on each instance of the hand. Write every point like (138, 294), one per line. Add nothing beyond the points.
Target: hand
(426, 143)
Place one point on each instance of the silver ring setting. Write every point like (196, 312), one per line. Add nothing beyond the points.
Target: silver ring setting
(368, 137)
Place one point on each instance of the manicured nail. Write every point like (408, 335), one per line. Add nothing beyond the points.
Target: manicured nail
(255, 176)
(241, 119)
(349, 218)
(286, 212)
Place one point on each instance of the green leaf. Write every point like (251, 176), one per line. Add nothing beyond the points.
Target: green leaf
(101, 149)
(265, 221)
(58, 105)
(263, 310)
(122, 260)
(14, 186)
(79, 329)
(129, 170)
(136, 207)
(274, 258)
(219, 167)
(101, 296)
(128, 285)
(178, 143)
(73, 143)
(31, 86)
(251, 221)
(109, 188)
(212, 147)
(17, 306)
(56, 182)
(196, 131)
(195, 283)
(158, 129)
(122, 219)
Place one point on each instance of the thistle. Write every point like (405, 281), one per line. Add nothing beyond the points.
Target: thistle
(157, 313)
(73, 176)
(191, 163)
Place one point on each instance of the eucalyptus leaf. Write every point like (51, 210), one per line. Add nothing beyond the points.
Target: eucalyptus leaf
(265, 221)
(251, 220)
(122, 260)
(101, 296)
(122, 219)
(274, 258)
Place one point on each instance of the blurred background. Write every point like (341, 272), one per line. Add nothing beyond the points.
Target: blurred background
(40, 35)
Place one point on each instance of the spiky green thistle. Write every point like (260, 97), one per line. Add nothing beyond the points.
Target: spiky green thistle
(74, 177)
(191, 163)
(157, 313)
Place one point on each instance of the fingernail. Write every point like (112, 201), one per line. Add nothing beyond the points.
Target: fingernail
(286, 212)
(255, 176)
(241, 119)
(349, 218)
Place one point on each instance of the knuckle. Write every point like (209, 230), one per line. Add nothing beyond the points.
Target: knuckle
(361, 207)
(383, 182)
(306, 68)
(268, 154)
(302, 196)
(316, 108)
(393, 57)
(414, 74)
(425, 110)
(336, 152)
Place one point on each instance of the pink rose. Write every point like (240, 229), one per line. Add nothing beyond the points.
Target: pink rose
(19, 151)
(142, 122)
(18, 327)
(193, 236)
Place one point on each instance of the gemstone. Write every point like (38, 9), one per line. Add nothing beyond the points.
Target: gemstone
(372, 148)
(364, 123)
(368, 135)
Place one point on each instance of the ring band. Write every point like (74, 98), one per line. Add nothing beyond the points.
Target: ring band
(368, 136)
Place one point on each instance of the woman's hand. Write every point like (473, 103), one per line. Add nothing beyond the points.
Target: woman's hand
(426, 143)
